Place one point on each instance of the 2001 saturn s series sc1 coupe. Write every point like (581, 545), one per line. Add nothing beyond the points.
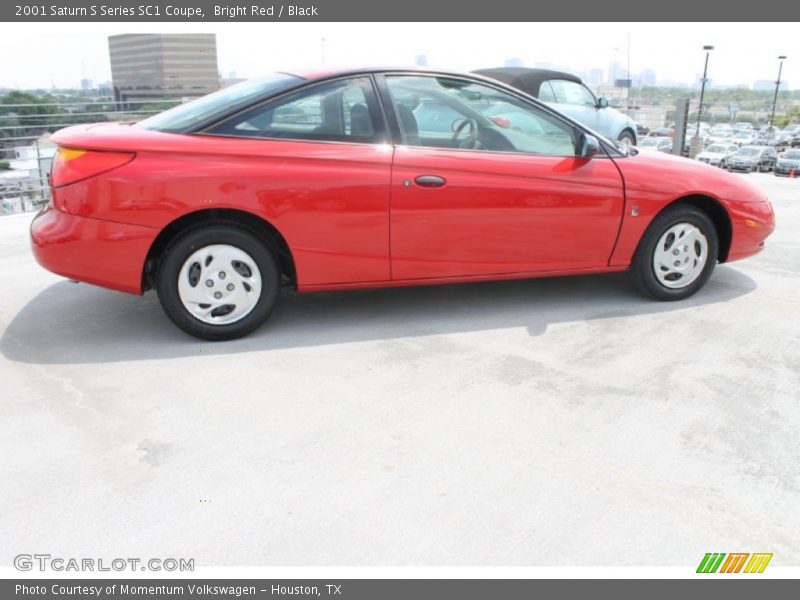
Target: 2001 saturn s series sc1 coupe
(328, 181)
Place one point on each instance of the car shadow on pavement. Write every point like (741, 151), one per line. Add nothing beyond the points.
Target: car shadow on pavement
(82, 324)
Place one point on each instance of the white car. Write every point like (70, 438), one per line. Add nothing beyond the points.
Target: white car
(717, 155)
(567, 93)
(720, 135)
(656, 144)
(744, 138)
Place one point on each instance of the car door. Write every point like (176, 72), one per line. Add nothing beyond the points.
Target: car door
(508, 197)
(316, 164)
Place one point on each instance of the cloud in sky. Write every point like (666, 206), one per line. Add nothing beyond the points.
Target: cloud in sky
(41, 54)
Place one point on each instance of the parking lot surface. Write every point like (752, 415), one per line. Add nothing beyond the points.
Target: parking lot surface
(545, 422)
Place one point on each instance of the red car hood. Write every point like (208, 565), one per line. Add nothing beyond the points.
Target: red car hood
(676, 176)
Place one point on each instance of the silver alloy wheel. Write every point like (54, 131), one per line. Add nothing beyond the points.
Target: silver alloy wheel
(680, 255)
(219, 284)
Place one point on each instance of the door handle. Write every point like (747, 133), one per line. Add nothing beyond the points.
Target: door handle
(430, 181)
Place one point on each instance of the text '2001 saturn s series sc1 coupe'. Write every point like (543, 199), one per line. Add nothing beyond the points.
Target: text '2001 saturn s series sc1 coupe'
(338, 180)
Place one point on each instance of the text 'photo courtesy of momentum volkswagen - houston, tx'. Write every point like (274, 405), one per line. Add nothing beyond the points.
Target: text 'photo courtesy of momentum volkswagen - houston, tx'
(334, 180)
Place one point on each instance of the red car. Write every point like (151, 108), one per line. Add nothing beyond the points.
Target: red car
(372, 178)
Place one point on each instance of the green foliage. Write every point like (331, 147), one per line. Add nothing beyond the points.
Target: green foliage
(4, 165)
(792, 116)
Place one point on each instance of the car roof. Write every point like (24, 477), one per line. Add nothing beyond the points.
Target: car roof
(527, 80)
(331, 72)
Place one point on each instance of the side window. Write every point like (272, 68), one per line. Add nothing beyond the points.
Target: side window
(569, 92)
(441, 112)
(546, 93)
(339, 111)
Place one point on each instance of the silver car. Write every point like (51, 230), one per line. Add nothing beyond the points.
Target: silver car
(788, 163)
(568, 94)
(717, 155)
(659, 144)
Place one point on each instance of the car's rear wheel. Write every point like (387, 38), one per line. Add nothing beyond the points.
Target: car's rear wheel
(217, 282)
(676, 255)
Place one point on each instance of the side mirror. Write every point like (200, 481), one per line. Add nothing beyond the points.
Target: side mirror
(588, 146)
(602, 103)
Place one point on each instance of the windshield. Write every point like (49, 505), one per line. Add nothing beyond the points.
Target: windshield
(792, 155)
(649, 142)
(715, 149)
(749, 152)
(184, 117)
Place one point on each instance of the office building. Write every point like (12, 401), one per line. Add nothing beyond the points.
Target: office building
(153, 66)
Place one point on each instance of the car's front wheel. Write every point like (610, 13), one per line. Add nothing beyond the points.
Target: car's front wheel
(676, 255)
(217, 282)
(626, 138)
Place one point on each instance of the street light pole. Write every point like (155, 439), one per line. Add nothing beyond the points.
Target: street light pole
(777, 87)
(708, 50)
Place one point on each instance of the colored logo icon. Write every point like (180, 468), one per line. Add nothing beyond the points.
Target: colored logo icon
(735, 562)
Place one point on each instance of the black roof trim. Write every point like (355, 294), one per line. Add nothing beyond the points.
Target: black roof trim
(527, 80)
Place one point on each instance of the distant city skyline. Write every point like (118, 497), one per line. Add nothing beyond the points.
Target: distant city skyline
(252, 49)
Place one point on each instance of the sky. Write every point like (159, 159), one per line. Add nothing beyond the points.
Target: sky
(37, 55)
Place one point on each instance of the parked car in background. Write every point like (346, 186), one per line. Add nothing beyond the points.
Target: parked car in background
(720, 135)
(774, 138)
(717, 155)
(752, 159)
(790, 131)
(743, 125)
(662, 132)
(795, 140)
(744, 137)
(327, 181)
(641, 130)
(787, 163)
(659, 144)
(568, 93)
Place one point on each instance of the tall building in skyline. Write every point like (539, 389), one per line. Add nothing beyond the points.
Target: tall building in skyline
(614, 72)
(647, 77)
(595, 76)
(146, 66)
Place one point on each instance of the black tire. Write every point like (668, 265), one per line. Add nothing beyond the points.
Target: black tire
(628, 137)
(178, 252)
(642, 272)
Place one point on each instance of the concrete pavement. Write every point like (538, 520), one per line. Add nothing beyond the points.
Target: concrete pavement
(546, 422)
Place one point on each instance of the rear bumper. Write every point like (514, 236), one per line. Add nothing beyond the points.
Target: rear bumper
(103, 253)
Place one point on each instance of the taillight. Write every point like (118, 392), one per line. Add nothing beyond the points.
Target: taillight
(72, 164)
